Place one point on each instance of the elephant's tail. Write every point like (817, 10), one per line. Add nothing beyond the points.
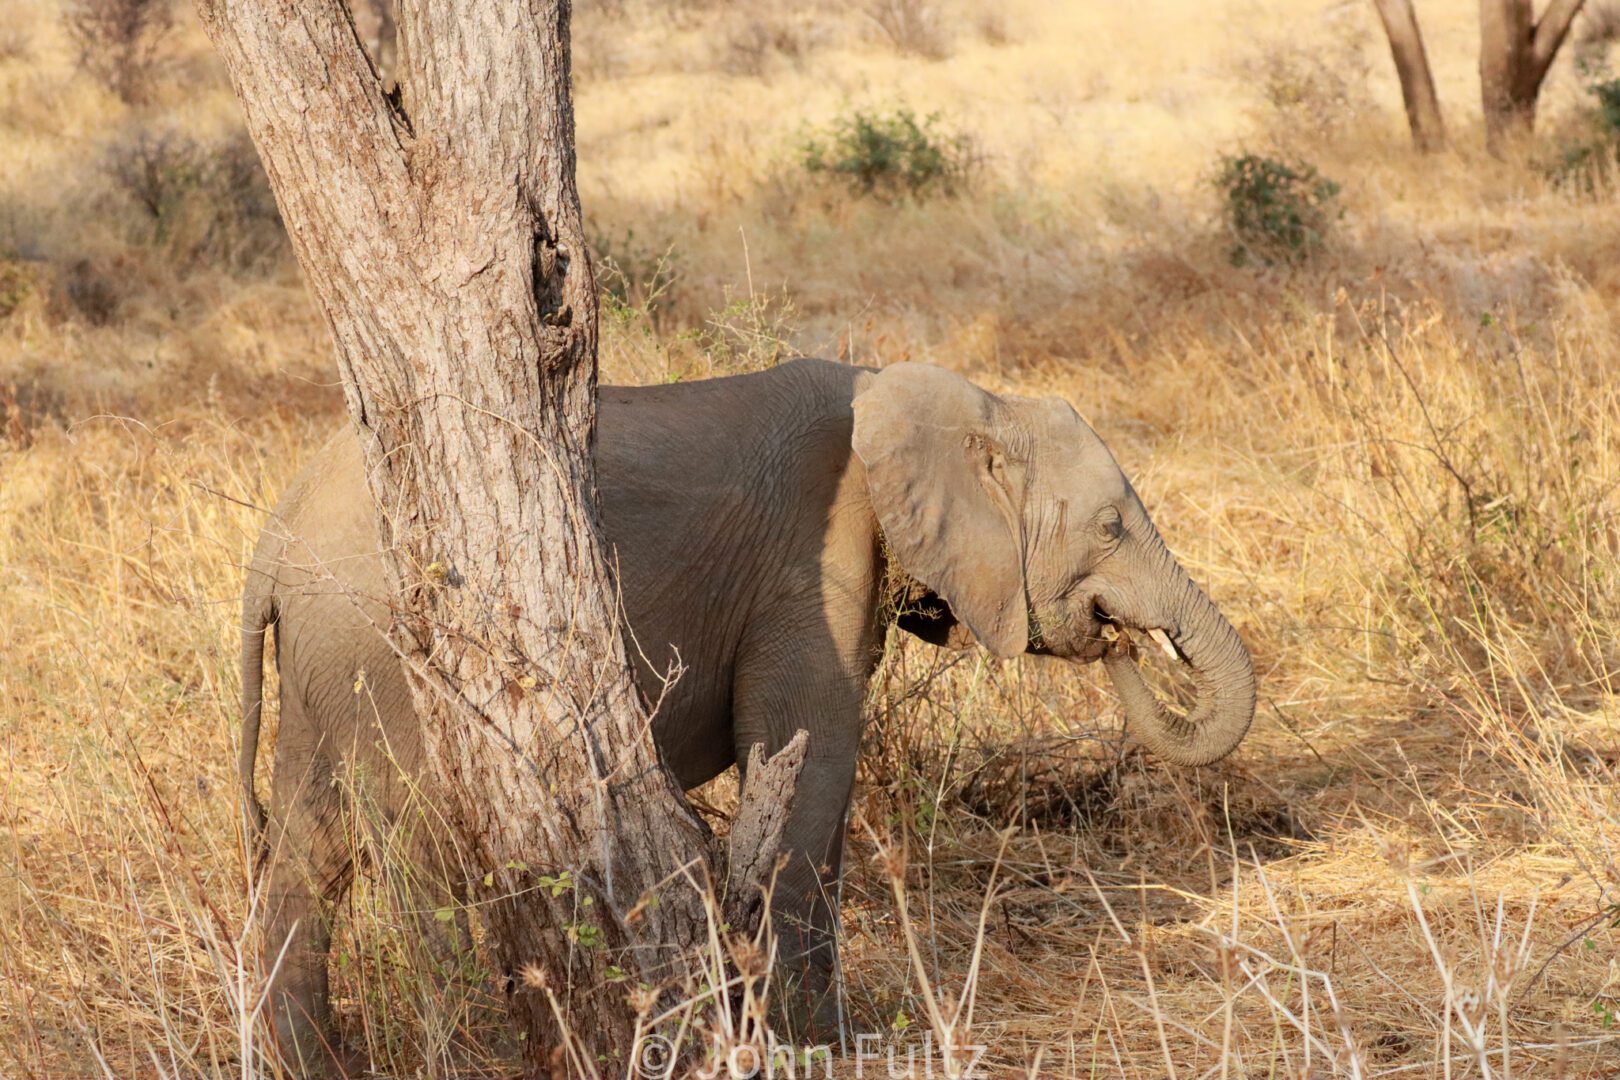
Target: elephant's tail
(258, 615)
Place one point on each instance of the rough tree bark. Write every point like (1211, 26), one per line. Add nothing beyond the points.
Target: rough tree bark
(1515, 51)
(442, 240)
(1412, 68)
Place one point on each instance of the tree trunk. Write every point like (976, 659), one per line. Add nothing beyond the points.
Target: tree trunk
(1515, 52)
(1412, 68)
(442, 240)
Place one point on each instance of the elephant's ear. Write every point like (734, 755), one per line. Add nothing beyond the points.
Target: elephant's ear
(947, 494)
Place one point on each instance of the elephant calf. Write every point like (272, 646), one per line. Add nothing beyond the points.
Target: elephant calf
(753, 518)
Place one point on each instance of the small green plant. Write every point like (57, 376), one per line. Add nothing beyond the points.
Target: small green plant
(563, 882)
(1277, 212)
(750, 333)
(633, 276)
(892, 154)
(584, 935)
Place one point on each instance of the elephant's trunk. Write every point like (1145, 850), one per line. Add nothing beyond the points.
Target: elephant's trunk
(1221, 668)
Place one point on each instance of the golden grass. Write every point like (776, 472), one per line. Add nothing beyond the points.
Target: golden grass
(1396, 469)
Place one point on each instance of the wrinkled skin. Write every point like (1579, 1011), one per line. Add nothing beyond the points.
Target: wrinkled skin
(749, 516)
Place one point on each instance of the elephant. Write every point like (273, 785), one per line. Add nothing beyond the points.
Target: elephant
(761, 523)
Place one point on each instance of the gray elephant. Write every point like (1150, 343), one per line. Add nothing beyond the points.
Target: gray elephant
(760, 523)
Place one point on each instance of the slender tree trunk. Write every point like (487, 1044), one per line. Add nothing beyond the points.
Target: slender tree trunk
(1412, 68)
(1515, 52)
(442, 240)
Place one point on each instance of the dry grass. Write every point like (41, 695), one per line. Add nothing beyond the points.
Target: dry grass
(1396, 468)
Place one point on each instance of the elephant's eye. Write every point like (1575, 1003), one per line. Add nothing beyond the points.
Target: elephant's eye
(1109, 525)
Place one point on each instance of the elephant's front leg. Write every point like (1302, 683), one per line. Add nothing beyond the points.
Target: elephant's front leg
(804, 905)
(772, 704)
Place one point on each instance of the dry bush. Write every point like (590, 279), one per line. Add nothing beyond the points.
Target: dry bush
(25, 408)
(203, 202)
(16, 43)
(158, 169)
(749, 47)
(90, 290)
(991, 25)
(912, 27)
(1311, 93)
(121, 43)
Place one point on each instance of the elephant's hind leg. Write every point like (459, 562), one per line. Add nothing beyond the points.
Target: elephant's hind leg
(308, 869)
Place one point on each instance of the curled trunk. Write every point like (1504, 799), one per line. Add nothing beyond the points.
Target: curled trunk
(1221, 669)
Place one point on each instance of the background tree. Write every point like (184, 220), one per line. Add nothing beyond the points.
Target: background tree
(120, 43)
(1412, 68)
(1515, 52)
(439, 231)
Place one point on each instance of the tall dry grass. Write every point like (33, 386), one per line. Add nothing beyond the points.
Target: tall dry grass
(1395, 468)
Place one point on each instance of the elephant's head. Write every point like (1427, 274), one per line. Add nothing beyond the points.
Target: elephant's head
(1016, 515)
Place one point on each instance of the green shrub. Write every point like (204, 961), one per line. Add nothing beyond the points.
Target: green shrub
(1277, 212)
(1607, 94)
(1589, 146)
(890, 155)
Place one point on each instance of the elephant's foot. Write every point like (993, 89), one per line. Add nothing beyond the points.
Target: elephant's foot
(323, 1062)
(806, 1011)
(313, 1051)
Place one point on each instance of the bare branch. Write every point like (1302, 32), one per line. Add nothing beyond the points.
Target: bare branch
(1549, 34)
(756, 834)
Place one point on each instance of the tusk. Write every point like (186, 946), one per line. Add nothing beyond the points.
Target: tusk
(1164, 643)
